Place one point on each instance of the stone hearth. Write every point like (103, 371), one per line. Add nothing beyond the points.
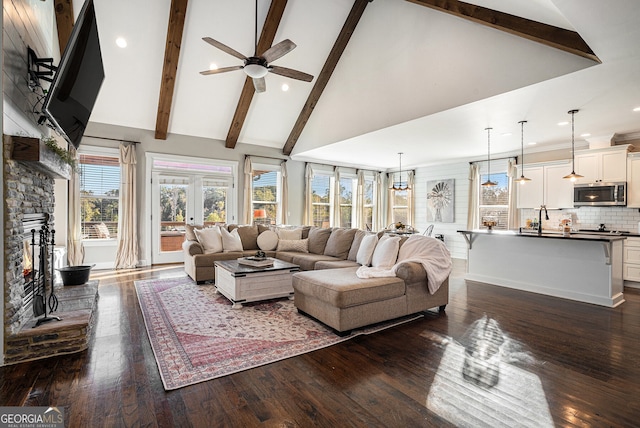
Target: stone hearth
(76, 307)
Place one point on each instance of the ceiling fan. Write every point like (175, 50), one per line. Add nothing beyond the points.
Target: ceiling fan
(257, 66)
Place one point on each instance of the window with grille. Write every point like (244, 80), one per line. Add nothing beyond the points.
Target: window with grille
(494, 200)
(266, 195)
(321, 200)
(346, 201)
(369, 202)
(99, 194)
(400, 206)
(214, 201)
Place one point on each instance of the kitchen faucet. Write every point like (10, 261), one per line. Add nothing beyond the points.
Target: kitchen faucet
(546, 217)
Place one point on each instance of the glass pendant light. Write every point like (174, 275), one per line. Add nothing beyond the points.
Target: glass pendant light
(522, 178)
(489, 183)
(573, 176)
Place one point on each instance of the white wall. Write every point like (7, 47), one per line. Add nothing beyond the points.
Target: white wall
(460, 173)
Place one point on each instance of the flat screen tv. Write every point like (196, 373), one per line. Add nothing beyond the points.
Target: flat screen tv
(77, 80)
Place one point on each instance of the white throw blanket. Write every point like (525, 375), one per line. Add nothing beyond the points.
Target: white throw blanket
(431, 253)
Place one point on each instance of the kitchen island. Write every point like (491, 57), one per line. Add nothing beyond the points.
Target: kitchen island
(586, 268)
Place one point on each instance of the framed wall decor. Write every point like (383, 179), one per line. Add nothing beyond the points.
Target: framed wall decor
(440, 201)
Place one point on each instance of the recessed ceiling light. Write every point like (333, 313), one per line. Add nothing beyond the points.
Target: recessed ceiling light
(285, 87)
(636, 109)
(563, 123)
(213, 66)
(121, 42)
(586, 134)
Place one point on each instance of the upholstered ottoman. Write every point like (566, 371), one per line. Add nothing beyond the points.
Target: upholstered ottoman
(341, 300)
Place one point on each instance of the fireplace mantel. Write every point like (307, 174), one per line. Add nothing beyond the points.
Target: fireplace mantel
(34, 153)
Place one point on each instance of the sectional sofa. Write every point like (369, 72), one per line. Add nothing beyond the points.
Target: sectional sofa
(331, 287)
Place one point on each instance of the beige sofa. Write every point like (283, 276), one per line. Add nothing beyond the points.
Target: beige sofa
(333, 247)
(328, 288)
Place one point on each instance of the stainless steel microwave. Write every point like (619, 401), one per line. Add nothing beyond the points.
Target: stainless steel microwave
(600, 194)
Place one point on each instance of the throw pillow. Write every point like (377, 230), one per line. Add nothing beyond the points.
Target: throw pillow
(386, 252)
(299, 245)
(231, 240)
(190, 229)
(290, 234)
(367, 247)
(210, 239)
(248, 236)
(268, 240)
(339, 243)
(355, 246)
(318, 238)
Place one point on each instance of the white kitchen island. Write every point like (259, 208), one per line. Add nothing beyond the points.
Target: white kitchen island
(586, 268)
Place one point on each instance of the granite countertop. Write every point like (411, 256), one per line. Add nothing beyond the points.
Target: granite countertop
(551, 234)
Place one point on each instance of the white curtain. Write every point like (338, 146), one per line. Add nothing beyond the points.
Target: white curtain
(411, 204)
(359, 208)
(308, 191)
(513, 221)
(473, 211)
(75, 250)
(378, 209)
(127, 254)
(284, 192)
(336, 198)
(248, 201)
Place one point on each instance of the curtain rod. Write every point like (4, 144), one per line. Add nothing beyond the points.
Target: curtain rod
(506, 157)
(266, 157)
(350, 167)
(112, 139)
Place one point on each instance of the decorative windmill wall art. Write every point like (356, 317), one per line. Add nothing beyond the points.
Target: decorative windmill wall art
(440, 201)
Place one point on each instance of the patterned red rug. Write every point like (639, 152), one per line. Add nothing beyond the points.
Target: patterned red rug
(196, 336)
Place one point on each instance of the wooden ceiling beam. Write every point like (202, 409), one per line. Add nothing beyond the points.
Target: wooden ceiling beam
(268, 34)
(327, 70)
(175, 29)
(64, 22)
(549, 35)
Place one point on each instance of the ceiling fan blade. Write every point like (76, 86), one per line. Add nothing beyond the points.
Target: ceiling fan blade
(221, 70)
(260, 84)
(278, 50)
(288, 72)
(224, 48)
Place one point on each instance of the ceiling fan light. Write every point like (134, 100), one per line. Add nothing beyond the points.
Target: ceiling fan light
(255, 71)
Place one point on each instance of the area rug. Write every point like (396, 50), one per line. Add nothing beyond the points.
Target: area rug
(197, 336)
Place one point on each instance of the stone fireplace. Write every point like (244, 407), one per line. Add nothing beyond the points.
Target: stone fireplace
(29, 198)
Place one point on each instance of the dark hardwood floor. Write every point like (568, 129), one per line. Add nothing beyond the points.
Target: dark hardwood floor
(586, 358)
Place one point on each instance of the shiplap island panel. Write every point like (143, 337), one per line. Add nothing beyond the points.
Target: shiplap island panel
(586, 268)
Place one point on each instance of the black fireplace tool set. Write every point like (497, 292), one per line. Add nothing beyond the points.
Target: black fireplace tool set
(40, 279)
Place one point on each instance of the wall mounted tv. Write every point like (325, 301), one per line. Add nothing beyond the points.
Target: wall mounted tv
(77, 80)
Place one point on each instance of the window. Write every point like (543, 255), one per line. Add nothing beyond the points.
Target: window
(494, 200)
(369, 202)
(266, 195)
(214, 202)
(346, 201)
(99, 194)
(400, 206)
(321, 200)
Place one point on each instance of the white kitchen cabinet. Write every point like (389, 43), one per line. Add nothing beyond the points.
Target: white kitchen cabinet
(631, 259)
(602, 165)
(633, 180)
(547, 187)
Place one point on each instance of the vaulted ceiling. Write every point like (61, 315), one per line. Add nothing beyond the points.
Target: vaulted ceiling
(422, 76)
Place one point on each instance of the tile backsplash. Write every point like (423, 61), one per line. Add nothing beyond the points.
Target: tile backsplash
(614, 218)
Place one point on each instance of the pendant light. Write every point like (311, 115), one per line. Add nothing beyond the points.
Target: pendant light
(573, 176)
(489, 183)
(399, 185)
(522, 178)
